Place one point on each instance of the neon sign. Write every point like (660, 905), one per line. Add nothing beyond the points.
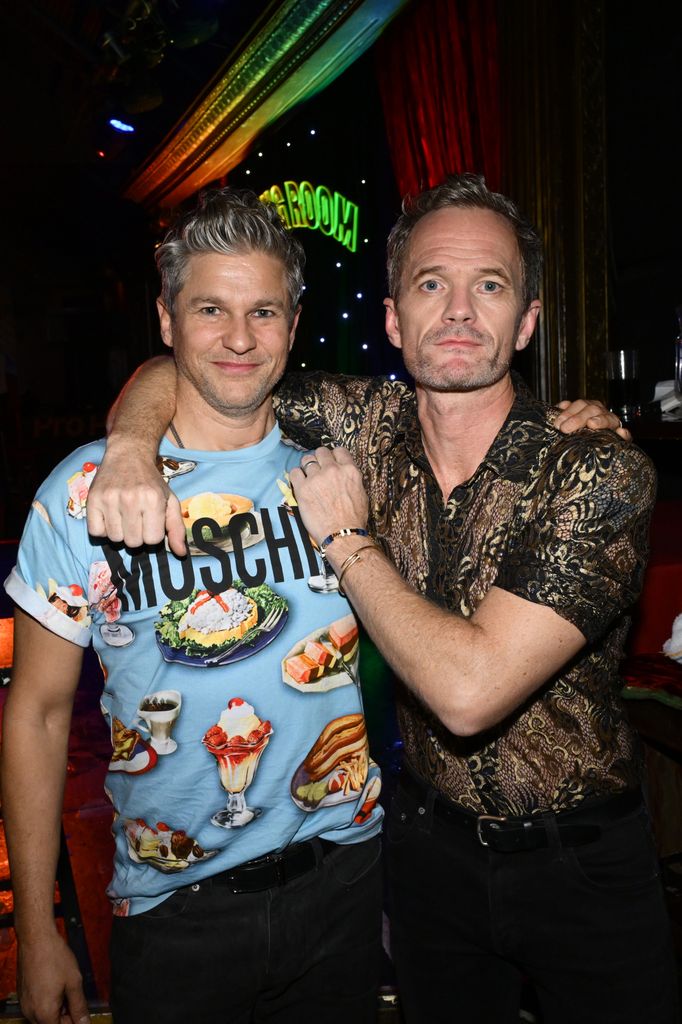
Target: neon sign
(300, 205)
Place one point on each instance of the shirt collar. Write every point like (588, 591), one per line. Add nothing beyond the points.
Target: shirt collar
(527, 418)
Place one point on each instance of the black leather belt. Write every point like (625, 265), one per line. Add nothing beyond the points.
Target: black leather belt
(275, 869)
(509, 835)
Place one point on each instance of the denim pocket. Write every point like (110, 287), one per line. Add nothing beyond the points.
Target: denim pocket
(172, 906)
(351, 863)
(623, 860)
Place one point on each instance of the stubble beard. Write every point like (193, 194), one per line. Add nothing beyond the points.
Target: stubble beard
(230, 407)
(427, 372)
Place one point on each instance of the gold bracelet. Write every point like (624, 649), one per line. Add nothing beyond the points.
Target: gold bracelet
(351, 560)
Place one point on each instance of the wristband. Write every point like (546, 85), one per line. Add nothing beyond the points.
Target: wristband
(345, 532)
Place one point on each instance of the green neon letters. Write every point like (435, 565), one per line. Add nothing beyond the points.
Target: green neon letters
(300, 205)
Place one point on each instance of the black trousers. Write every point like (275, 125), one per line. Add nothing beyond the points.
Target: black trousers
(587, 925)
(302, 953)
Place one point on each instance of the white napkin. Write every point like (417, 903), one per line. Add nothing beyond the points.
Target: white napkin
(673, 646)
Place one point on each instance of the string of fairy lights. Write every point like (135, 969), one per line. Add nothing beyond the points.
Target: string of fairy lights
(366, 355)
(345, 265)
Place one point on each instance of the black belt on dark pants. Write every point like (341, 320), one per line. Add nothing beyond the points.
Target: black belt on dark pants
(573, 827)
(275, 869)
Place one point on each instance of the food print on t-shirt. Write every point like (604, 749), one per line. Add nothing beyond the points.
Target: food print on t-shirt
(231, 675)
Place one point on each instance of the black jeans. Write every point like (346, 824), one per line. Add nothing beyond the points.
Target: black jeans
(305, 952)
(587, 926)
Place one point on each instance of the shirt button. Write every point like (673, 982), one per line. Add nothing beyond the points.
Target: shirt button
(458, 493)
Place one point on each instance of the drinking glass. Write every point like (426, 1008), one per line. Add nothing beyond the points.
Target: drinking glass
(622, 370)
(678, 367)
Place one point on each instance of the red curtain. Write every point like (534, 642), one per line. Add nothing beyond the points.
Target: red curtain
(437, 66)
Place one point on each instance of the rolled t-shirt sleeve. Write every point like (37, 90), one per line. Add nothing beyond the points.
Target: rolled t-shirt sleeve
(50, 579)
(583, 551)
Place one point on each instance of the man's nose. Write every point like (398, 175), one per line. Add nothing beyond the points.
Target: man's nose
(238, 336)
(458, 306)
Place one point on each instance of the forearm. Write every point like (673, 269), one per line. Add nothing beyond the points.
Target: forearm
(34, 753)
(144, 408)
(472, 672)
(440, 656)
(129, 500)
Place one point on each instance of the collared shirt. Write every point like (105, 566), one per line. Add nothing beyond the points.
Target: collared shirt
(559, 520)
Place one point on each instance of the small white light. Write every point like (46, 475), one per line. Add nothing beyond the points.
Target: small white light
(365, 240)
(365, 346)
(288, 143)
(260, 154)
(312, 131)
(321, 339)
(345, 316)
(303, 366)
(248, 172)
(363, 181)
(358, 295)
(391, 376)
(338, 264)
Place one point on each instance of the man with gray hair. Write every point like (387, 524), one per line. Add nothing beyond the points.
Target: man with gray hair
(246, 880)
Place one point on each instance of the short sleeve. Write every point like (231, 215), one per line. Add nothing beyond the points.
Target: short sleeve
(583, 549)
(50, 579)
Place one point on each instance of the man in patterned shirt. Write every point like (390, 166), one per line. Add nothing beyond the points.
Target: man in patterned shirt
(518, 846)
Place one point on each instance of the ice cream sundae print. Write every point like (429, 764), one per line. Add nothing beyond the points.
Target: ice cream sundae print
(237, 743)
(79, 486)
(103, 597)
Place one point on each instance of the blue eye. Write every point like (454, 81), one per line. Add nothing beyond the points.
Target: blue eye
(490, 286)
(430, 286)
(262, 314)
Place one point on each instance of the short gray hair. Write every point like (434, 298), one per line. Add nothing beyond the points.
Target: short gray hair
(467, 191)
(231, 222)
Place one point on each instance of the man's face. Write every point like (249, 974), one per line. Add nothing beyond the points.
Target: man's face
(460, 316)
(231, 330)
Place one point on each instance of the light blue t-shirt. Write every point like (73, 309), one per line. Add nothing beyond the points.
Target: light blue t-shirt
(231, 676)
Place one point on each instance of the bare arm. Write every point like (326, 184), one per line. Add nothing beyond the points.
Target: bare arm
(128, 499)
(36, 726)
(479, 669)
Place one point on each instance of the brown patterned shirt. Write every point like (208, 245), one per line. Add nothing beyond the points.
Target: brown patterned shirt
(560, 520)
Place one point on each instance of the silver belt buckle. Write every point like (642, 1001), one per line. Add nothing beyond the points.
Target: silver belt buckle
(479, 822)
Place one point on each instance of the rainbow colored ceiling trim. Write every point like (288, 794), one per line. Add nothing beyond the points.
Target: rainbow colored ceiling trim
(301, 48)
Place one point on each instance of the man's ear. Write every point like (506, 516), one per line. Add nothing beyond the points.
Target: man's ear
(392, 324)
(294, 325)
(165, 323)
(527, 325)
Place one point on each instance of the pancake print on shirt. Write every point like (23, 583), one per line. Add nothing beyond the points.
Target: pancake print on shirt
(224, 515)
